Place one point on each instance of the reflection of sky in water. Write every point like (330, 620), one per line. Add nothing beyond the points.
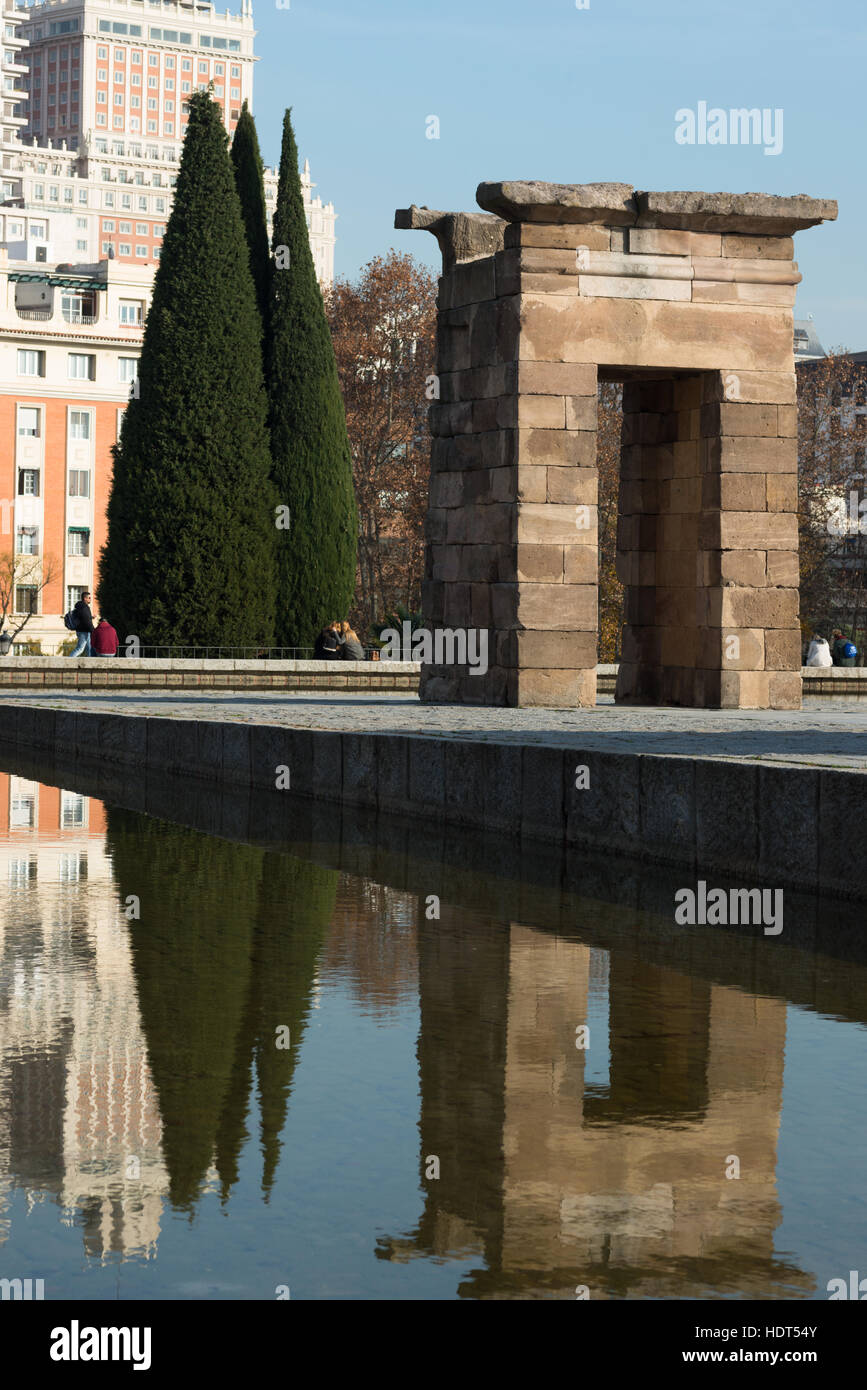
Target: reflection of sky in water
(409, 1038)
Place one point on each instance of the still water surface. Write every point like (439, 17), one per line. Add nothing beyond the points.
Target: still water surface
(432, 1130)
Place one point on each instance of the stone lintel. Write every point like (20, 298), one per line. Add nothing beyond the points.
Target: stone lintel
(759, 214)
(532, 201)
(619, 204)
(462, 236)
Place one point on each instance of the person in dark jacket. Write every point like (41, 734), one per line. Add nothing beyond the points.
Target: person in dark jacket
(328, 643)
(84, 626)
(840, 649)
(104, 640)
(352, 649)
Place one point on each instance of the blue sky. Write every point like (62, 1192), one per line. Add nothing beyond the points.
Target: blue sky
(539, 89)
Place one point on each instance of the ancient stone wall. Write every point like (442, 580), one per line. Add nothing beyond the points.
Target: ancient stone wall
(687, 299)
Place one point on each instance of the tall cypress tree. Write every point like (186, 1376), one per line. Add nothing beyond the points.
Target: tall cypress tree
(309, 444)
(191, 525)
(247, 165)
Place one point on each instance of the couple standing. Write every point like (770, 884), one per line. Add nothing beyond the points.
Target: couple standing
(338, 642)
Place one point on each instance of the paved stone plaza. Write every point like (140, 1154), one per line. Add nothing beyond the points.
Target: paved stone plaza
(826, 733)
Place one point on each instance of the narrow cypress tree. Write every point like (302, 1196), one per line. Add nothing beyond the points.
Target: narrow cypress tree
(247, 165)
(309, 444)
(191, 525)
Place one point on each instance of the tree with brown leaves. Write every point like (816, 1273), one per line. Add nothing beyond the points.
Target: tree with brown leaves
(383, 326)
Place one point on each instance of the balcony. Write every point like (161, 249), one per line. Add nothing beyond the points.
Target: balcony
(34, 315)
(79, 316)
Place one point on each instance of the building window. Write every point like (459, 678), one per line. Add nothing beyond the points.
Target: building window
(108, 200)
(78, 541)
(72, 814)
(168, 106)
(27, 540)
(102, 53)
(168, 127)
(186, 65)
(118, 98)
(124, 227)
(102, 98)
(79, 482)
(153, 60)
(127, 369)
(106, 248)
(31, 362)
(132, 312)
(136, 56)
(124, 249)
(108, 225)
(28, 421)
(74, 594)
(79, 427)
(28, 482)
(141, 252)
(26, 601)
(141, 228)
(81, 366)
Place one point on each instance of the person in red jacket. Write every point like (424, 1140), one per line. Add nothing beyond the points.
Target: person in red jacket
(104, 640)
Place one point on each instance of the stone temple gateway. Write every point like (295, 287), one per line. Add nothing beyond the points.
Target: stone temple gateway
(687, 299)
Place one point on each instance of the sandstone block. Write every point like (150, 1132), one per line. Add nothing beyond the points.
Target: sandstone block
(738, 418)
(581, 412)
(557, 378)
(557, 448)
(556, 524)
(545, 607)
(632, 287)
(733, 454)
(562, 651)
(784, 690)
(687, 392)
(772, 248)
(736, 492)
(660, 241)
(759, 388)
(580, 564)
(553, 689)
(782, 492)
(783, 649)
(787, 421)
(540, 412)
(744, 689)
(572, 485)
(731, 649)
(568, 236)
(767, 607)
(539, 563)
(653, 333)
(782, 565)
(532, 483)
(750, 531)
(735, 292)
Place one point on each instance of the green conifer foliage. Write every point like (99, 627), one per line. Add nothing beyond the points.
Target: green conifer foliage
(309, 445)
(190, 552)
(247, 165)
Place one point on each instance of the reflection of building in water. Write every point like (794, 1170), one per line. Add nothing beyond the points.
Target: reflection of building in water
(605, 1167)
(79, 1116)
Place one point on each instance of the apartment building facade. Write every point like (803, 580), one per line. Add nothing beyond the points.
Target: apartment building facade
(92, 122)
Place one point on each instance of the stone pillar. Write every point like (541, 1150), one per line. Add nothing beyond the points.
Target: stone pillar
(512, 525)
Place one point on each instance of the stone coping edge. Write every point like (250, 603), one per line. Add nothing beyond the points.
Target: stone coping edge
(800, 827)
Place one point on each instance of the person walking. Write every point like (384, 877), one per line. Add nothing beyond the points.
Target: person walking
(104, 640)
(818, 652)
(843, 650)
(351, 650)
(83, 626)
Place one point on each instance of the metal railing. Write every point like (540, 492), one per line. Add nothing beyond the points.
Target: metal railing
(173, 653)
(39, 314)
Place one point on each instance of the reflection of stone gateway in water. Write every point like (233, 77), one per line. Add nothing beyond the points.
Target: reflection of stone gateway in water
(621, 1187)
(687, 299)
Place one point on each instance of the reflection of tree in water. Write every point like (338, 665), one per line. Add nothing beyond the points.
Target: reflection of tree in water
(224, 952)
(372, 944)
